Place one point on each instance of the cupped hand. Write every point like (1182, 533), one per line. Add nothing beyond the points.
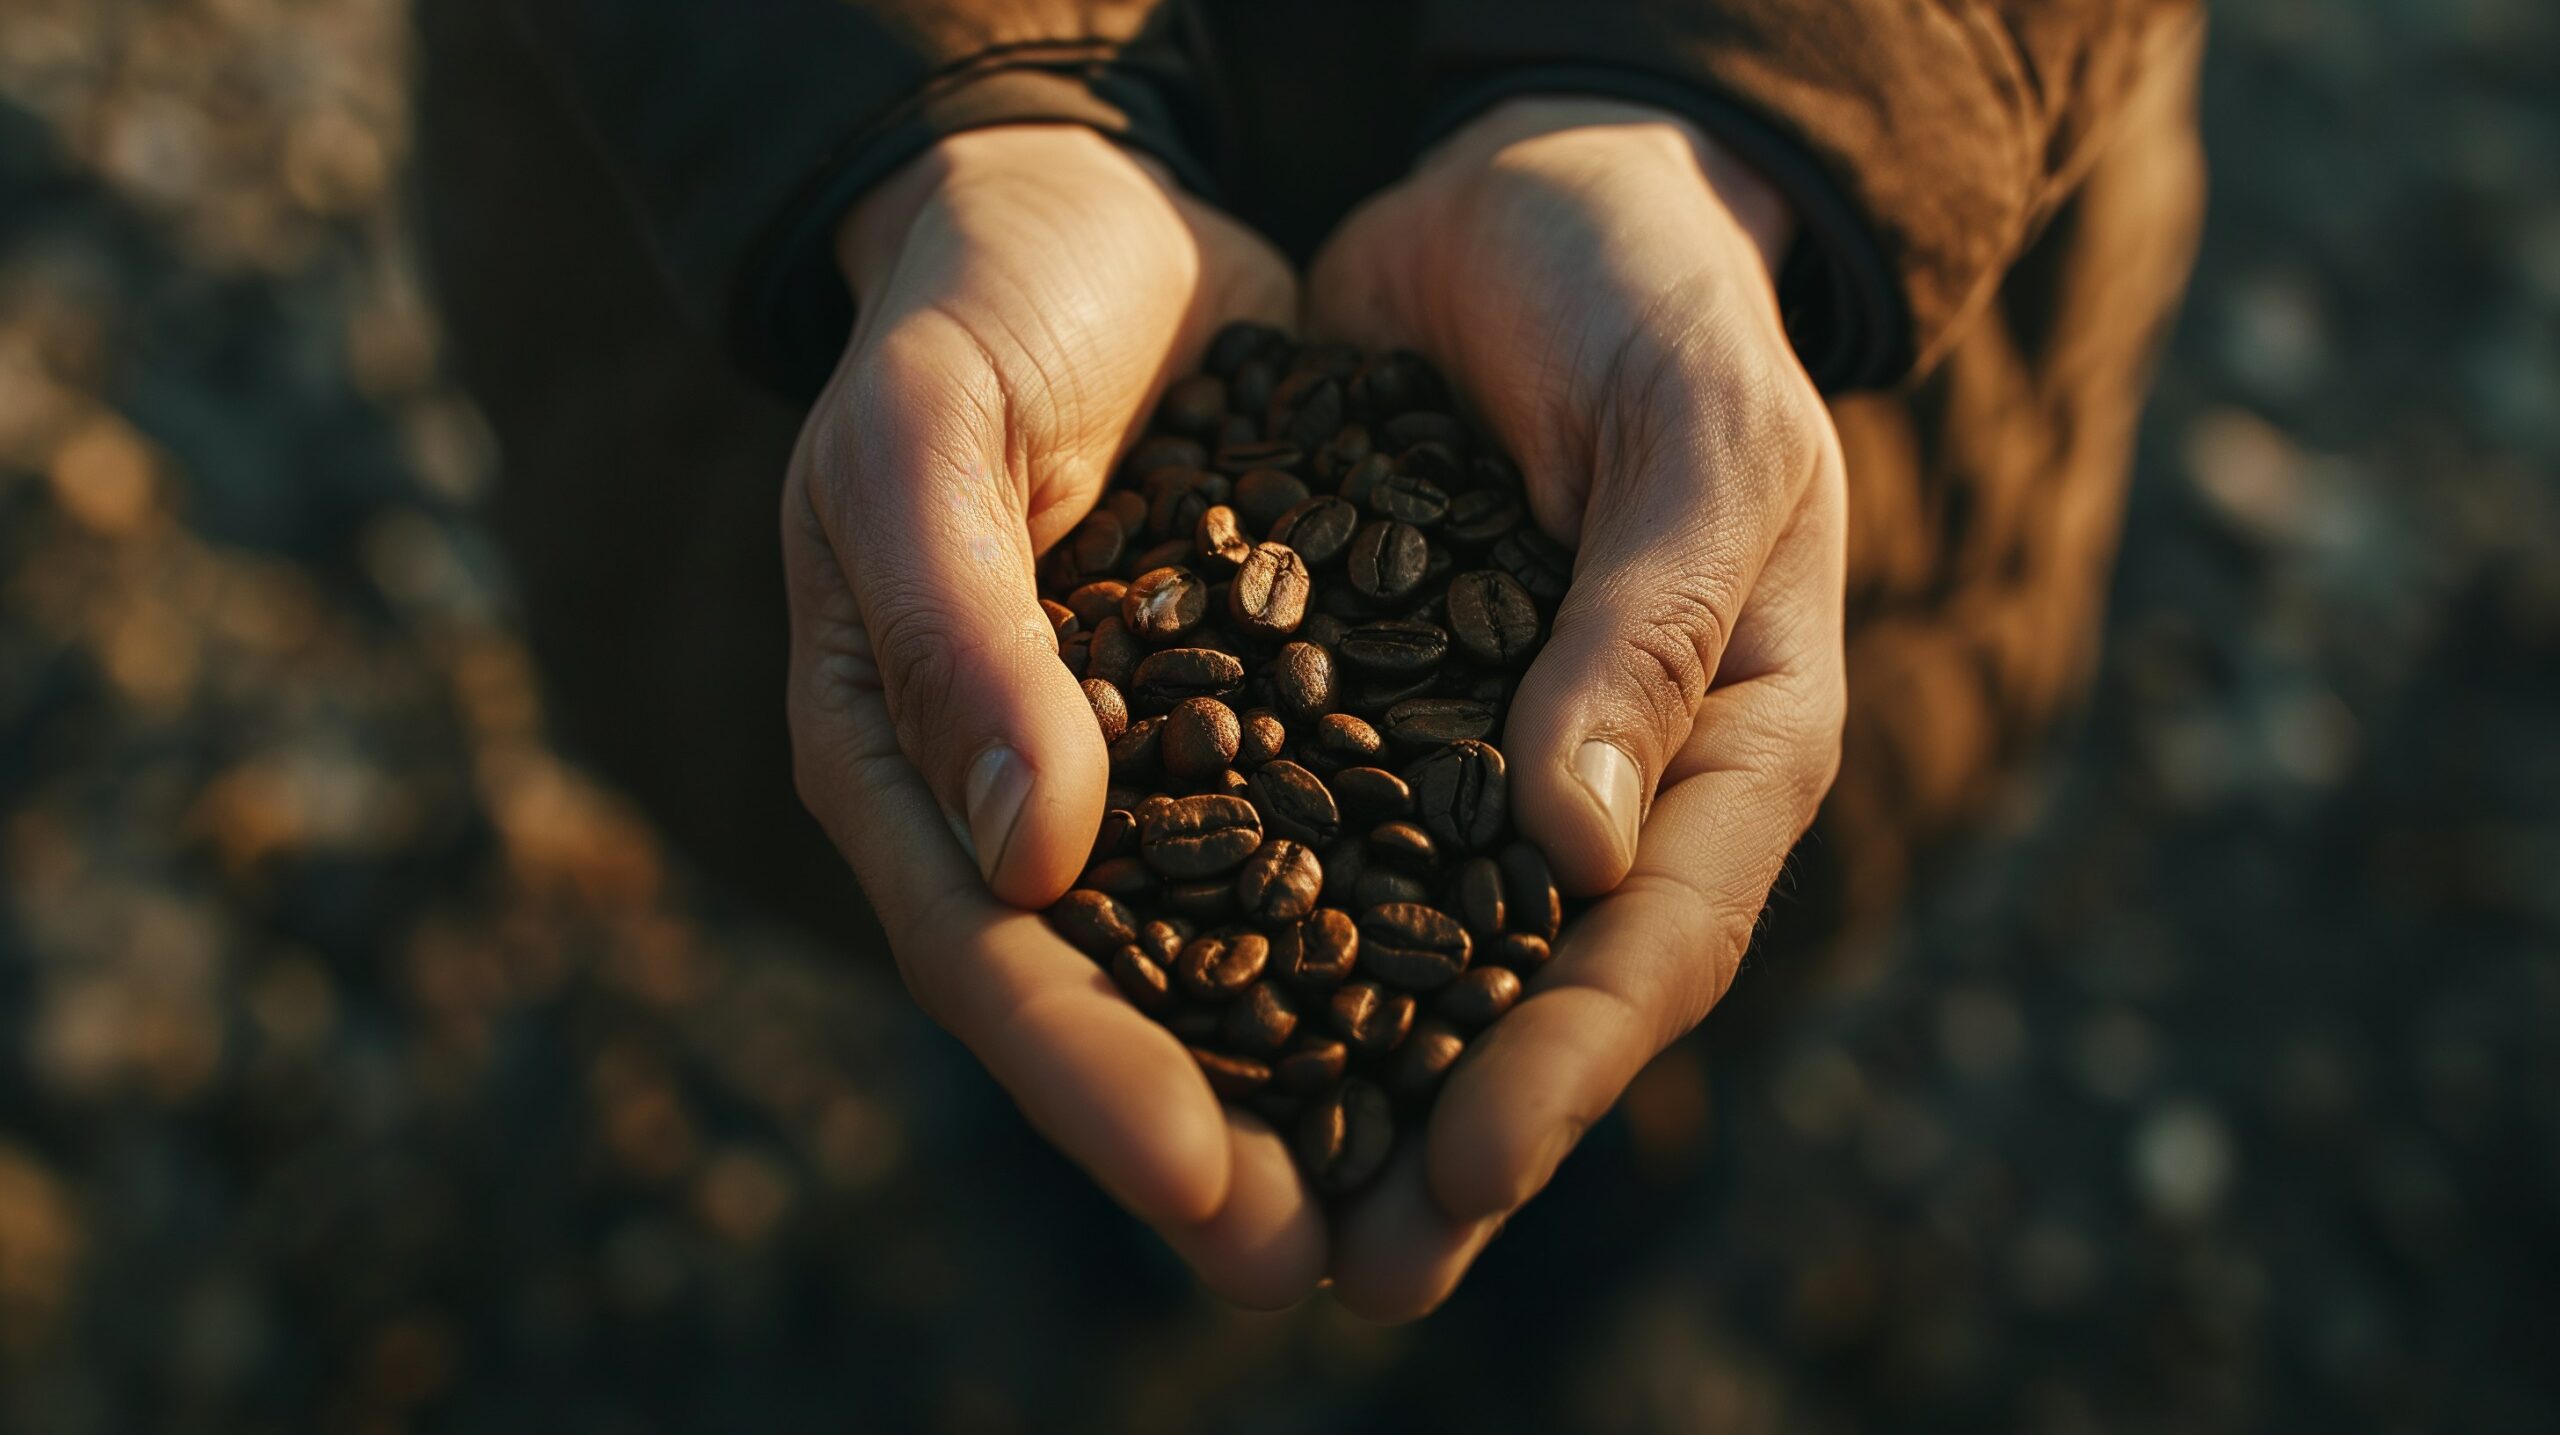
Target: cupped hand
(1595, 278)
(1025, 293)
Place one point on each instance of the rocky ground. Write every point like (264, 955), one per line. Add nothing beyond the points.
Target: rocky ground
(364, 1065)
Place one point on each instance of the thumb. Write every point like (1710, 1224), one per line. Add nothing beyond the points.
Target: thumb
(928, 518)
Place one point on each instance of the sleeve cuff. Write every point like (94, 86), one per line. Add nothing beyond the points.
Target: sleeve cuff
(1845, 314)
(793, 314)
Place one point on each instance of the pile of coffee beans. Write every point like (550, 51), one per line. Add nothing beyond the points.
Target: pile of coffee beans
(1299, 616)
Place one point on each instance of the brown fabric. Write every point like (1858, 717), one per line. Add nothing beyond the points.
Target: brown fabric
(643, 476)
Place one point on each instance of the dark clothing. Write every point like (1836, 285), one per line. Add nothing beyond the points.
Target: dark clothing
(2000, 204)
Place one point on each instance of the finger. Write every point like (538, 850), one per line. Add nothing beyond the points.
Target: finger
(1647, 962)
(928, 512)
(1698, 470)
(1107, 1086)
(1266, 1246)
(1397, 1255)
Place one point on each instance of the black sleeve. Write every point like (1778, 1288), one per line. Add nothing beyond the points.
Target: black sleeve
(741, 133)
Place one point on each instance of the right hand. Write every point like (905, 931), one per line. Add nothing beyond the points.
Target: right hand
(1025, 294)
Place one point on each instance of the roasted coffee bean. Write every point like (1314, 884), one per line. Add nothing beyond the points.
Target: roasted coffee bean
(1199, 740)
(1376, 694)
(1163, 451)
(1062, 619)
(1395, 645)
(1319, 528)
(1130, 507)
(1294, 803)
(1346, 862)
(1116, 837)
(1076, 652)
(1461, 795)
(1171, 553)
(1395, 382)
(1269, 597)
(1529, 888)
(1126, 878)
(1344, 1136)
(1309, 417)
(1264, 494)
(1133, 753)
(1362, 479)
(1319, 952)
(1444, 467)
(1401, 844)
(1168, 677)
(1233, 784)
(1303, 684)
(1379, 886)
(1176, 497)
(1339, 453)
(1233, 1078)
(1094, 923)
(1311, 1065)
(1421, 723)
(1371, 795)
(1097, 545)
(1387, 559)
(1204, 900)
(1522, 952)
(1190, 838)
(1493, 617)
(1239, 458)
(1478, 897)
(1240, 341)
(1218, 540)
(1162, 940)
(1424, 1059)
(1260, 737)
(1323, 629)
(1114, 653)
(1404, 430)
(1194, 405)
(1165, 603)
(1341, 740)
(1110, 710)
(1141, 978)
(1096, 601)
(1259, 1022)
(1409, 498)
(1216, 966)
(1478, 999)
(1369, 1017)
(1412, 946)
(1481, 516)
(1279, 882)
(1537, 561)
(1192, 1024)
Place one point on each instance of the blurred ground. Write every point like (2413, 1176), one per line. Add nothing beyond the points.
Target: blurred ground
(364, 1066)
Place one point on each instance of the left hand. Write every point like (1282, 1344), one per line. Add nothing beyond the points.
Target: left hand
(1596, 279)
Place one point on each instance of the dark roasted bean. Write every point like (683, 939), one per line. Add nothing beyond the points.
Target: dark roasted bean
(1395, 645)
(1269, 597)
(1115, 653)
(1233, 1078)
(1379, 886)
(1130, 507)
(1420, 723)
(1141, 978)
(1218, 540)
(1204, 900)
(1110, 710)
(1346, 862)
(1094, 923)
(1529, 887)
(1303, 685)
(1216, 966)
(1199, 739)
(1413, 946)
(1193, 1024)
(1126, 878)
(1371, 795)
(1246, 457)
(1062, 619)
(1260, 737)
(1480, 517)
(1401, 844)
(1542, 567)
(1240, 341)
(1341, 740)
(1369, 1017)
(1167, 677)
(1116, 837)
(1171, 553)
(1264, 494)
(1176, 497)
(1405, 430)
(1313, 1064)
(1164, 451)
(1478, 897)
(1279, 882)
(1424, 1059)
(1194, 405)
(1362, 479)
(1343, 1137)
(1320, 529)
(1096, 601)
(1395, 382)
(1162, 940)
(1294, 803)
(1461, 795)
(1522, 952)
(1164, 603)
(1260, 1021)
(1323, 629)
(1376, 694)
(1388, 559)
(1133, 753)
(1189, 838)
(1409, 498)
(1478, 999)
(1492, 617)
(1319, 952)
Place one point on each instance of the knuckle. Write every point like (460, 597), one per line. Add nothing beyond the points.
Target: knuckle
(1670, 656)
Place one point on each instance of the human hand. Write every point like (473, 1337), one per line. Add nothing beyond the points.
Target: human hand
(1025, 293)
(1596, 279)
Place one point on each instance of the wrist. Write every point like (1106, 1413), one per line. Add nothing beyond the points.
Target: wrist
(1643, 134)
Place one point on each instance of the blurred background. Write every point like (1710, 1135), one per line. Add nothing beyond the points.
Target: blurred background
(364, 1064)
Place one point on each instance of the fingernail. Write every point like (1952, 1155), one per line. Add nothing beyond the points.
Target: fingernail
(998, 782)
(1612, 780)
